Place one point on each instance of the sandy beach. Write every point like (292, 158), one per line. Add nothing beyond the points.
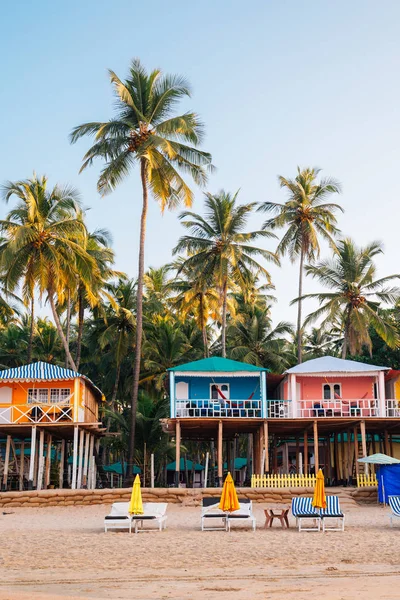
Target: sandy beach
(63, 552)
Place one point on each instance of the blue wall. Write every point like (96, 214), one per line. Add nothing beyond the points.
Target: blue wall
(241, 388)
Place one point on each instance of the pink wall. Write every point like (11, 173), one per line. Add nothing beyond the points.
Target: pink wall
(353, 388)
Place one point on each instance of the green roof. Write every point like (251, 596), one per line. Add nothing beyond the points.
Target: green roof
(217, 364)
(189, 464)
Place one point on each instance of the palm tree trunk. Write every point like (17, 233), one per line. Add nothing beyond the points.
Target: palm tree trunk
(203, 327)
(346, 334)
(114, 395)
(60, 330)
(68, 325)
(224, 303)
(139, 322)
(32, 329)
(81, 312)
(299, 308)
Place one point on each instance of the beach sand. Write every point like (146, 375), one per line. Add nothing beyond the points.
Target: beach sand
(63, 552)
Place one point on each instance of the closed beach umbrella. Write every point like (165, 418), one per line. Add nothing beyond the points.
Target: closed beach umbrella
(229, 500)
(319, 500)
(136, 504)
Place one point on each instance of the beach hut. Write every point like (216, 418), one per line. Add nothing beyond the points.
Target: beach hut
(45, 406)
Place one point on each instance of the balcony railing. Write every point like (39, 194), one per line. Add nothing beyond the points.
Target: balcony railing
(338, 408)
(218, 408)
(36, 413)
(392, 408)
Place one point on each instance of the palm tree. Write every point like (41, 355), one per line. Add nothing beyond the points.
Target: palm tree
(146, 132)
(43, 244)
(220, 248)
(306, 217)
(355, 297)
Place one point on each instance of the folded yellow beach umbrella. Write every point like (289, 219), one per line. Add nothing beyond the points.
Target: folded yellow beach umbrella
(229, 500)
(319, 500)
(136, 504)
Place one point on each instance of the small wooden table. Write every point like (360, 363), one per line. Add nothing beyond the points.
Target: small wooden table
(271, 513)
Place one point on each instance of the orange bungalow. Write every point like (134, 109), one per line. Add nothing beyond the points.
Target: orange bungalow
(48, 413)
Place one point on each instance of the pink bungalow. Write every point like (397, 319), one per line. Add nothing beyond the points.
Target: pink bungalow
(332, 387)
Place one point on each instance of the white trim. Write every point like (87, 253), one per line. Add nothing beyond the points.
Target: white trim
(331, 374)
(217, 374)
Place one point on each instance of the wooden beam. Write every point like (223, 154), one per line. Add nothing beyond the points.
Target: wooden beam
(6, 462)
(86, 460)
(364, 444)
(39, 483)
(177, 452)
(261, 449)
(316, 447)
(92, 465)
(337, 461)
(387, 450)
(297, 453)
(32, 458)
(74, 457)
(349, 457)
(266, 445)
(21, 466)
(305, 461)
(355, 441)
(48, 461)
(61, 465)
(391, 444)
(219, 453)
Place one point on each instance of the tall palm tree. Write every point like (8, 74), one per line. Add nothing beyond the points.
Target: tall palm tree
(307, 217)
(146, 132)
(43, 244)
(355, 297)
(220, 248)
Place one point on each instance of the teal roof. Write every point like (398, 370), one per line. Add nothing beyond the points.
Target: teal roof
(197, 467)
(117, 468)
(239, 463)
(217, 364)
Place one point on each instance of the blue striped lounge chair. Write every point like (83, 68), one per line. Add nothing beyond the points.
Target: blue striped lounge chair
(394, 503)
(332, 511)
(303, 510)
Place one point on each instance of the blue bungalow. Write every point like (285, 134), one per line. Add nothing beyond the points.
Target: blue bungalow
(218, 388)
(217, 399)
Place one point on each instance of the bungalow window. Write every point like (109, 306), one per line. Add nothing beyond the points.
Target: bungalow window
(60, 395)
(44, 395)
(332, 391)
(38, 396)
(219, 391)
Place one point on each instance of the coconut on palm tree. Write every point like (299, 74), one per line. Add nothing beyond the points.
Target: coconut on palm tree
(43, 244)
(146, 132)
(220, 247)
(356, 297)
(307, 217)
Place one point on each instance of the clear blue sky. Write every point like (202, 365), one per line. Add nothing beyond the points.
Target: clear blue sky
(278, 84)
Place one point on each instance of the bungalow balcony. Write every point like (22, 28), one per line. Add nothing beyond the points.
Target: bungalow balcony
(338, 408)
(247, 409)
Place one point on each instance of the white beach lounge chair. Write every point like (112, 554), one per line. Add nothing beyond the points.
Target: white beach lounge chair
(152, 512)
(245, 512)
(394, 503)
(118, 518)
(332, 511)
(210, 510)
(302, 509)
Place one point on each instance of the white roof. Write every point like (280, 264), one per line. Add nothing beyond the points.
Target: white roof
(331, 364)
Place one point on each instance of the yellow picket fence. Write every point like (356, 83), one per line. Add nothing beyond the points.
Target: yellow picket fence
(367, 480)
(282, 481)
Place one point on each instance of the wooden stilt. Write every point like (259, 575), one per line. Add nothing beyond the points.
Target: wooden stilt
(364, 444)
(32, 459)
(219, 453)
(386, 443)
(61, 465)
(261, 449)
(48, 461)
(297, 453)
(86, 460)
(21, 466)
(391, 444)
(373, 444)
(6, 462)
(177, 452)
(91, 477)
(316, 448)
(96, 453)
(75, 457)
(275, 455)
(337, 461)
(266, 445)
(256, 437)
(80, 459)
(344, 461)
(39, 483)
(329, 458)
(305, 452)
(356, 463)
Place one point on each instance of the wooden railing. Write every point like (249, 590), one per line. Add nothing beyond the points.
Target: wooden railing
(36, 413)
(282, 481)
(219, 408)
(367, 480)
